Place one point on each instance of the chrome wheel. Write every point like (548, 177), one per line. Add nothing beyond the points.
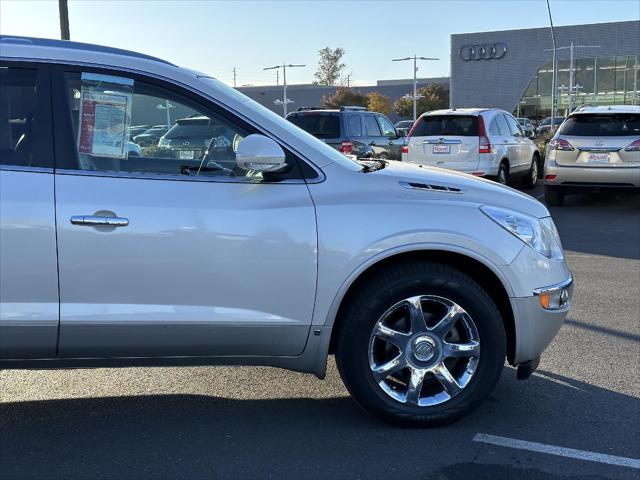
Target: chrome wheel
(534, 172)
(502, 175)
(424, 350)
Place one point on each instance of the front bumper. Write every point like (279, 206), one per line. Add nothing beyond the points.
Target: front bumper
(536, 326)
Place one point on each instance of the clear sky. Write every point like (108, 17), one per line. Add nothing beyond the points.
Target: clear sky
(216, 36)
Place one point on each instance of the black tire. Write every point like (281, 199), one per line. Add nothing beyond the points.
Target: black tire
(385, 289)
(530, 180)
(553, 197)
(503, 174)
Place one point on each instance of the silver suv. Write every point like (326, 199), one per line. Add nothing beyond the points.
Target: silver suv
(271, 248)
(596, 148)
(479, 141)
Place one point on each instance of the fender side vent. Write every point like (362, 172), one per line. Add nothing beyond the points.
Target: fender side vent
(430, 187)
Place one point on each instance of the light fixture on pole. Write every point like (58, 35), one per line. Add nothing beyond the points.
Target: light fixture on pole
(284, 100)
(415, 80)
(167, 106)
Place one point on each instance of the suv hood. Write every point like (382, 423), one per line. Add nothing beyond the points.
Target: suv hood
(471, 189)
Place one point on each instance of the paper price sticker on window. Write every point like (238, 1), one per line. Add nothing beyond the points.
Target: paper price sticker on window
(103, 123)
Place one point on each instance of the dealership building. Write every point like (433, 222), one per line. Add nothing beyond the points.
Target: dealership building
(512, 70)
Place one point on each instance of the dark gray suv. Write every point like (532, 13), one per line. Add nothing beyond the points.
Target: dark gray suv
(351, 130)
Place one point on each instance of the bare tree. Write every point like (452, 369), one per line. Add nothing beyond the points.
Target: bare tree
(330, 66)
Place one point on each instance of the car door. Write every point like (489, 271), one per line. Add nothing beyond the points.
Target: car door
(522, 155)
(374, 135)
(169, 254)
(394, 146)
(28, 267)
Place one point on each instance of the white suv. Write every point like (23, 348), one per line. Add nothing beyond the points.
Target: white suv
(270, 248)
(480, 141)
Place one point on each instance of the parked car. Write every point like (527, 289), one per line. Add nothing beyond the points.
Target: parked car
(403, 127)
(596, 148)
(483, 142)
(189, 138)
(527, 126)
(351, 130)
(545, 125)
(420, 281)
(151, 137)
(137, 130)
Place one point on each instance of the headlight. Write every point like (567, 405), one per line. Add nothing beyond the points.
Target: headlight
(539, 234)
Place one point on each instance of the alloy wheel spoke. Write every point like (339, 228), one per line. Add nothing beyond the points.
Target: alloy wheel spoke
(415, 385)
(388, 368)
(468, 349)
(387, 334)
(444, 376)
(449, 320)
(417, 315)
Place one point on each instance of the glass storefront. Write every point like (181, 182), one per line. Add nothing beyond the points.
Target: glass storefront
(596, 80)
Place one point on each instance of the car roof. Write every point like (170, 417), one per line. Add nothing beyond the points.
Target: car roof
(65, 51)
(607, 109)
(460, 111)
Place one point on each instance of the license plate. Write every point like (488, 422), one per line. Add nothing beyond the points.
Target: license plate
(598, 158)
(442, 149)
(186, 154)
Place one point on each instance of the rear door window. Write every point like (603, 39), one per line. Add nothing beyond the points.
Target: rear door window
(607, 125)
(371, 126)
(320, 125)
(446, 125)
(514, 127)
(354, 126)
(25, 125)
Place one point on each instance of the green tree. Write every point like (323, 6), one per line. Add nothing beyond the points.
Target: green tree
(330, 66)
(434, 97)
(345, 97)
(379, 103)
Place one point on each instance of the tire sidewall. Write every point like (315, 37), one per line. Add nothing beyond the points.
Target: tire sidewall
(492, 340)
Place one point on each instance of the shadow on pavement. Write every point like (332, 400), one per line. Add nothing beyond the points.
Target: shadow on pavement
(600, 224)
(192, 436)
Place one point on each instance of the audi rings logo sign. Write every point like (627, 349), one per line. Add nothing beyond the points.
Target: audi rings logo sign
(486, 51)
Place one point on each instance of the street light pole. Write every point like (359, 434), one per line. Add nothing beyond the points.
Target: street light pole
(284, 67)
(64, 20)
(415, 78)
(553, 74)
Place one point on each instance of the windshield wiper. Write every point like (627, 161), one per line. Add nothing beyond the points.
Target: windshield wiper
(197, 169)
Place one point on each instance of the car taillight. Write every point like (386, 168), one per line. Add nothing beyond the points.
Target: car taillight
(405, 149)
(633, 147)
(346, 147)
(560, 144)
(485, 144)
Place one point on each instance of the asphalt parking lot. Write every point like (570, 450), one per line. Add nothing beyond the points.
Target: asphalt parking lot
(216, 422)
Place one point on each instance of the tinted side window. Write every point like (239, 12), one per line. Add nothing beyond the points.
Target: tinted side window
(184, 138)
(371, 126)
(354, 126)
(455, 125)
(24, 120)
(388, 130)
(612, 125)
(494, 129)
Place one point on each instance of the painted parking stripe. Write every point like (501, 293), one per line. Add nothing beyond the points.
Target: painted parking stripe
(560, 451)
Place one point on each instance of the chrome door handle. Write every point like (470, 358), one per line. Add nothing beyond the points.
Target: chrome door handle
(97, 221)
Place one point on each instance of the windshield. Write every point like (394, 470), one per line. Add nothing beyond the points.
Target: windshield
(454, 125)
(318, 125)
(331, 154)
(602, 125)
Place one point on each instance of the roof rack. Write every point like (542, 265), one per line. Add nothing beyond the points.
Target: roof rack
(303, 109)
(87, 47)
(354, 108)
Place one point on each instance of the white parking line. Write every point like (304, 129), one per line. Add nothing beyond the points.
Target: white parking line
(560, 451)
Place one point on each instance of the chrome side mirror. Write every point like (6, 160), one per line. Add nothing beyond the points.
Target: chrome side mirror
(260, 154)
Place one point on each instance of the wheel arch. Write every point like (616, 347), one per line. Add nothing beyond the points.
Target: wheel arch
(482, 271)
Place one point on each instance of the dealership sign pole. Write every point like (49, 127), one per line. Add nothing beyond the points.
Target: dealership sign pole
(553, 74)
